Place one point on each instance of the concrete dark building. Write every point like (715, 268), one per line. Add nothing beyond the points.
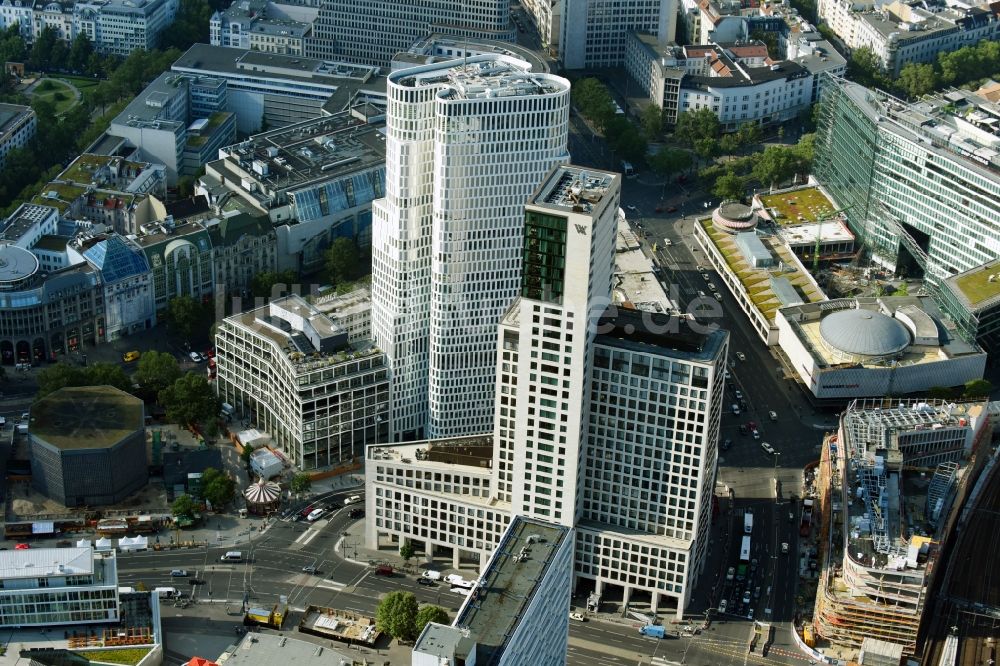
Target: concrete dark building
(88, 445)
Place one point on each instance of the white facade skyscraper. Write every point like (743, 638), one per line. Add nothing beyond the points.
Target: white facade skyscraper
(545, 338)
(607, 420)
(468, 141)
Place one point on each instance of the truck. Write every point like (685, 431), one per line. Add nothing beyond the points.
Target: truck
(745, 550)
(748, 522)
(654, 631)
(806, 523)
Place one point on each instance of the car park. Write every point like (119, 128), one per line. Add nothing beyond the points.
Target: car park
(741, 356)
(195, 356)
(768, 449)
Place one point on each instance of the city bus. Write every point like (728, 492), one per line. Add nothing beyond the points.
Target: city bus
(745, 550)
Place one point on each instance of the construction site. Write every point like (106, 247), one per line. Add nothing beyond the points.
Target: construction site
(891, 484)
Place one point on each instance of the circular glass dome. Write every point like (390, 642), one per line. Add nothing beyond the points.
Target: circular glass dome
(864, 333)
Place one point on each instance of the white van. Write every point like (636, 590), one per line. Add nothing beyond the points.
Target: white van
(430, 574)
(232, 556)
(167, 592)
(353, 499)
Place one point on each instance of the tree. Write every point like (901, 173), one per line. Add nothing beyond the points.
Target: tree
(407, 551)
(190, 400)
(775, 165)
(669, 161)
(706, 148)
(594, 101)
(301, 483)
(184, 505)
(107, 374)
(185, 316)
(41, 50)
(430, 613)
(917, 79)
(730, 144)
(652, 122)
(156, 371)
(977, 388)
(62, 375)
(396, 615)
(216, 487)
(342, 260)
(79, 53)
(865, 68)
(729, 186)
(770, 39)
(271, 284)
(698, 124)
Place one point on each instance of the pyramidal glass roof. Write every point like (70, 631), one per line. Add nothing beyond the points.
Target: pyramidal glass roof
(116, 260)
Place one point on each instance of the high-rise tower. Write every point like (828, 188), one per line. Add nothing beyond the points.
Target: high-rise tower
(468, 141)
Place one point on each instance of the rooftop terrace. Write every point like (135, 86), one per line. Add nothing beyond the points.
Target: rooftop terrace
(496, 607)
(979, 287)
(574, 188)
(480, 77)
(798, 206)
(472, 451)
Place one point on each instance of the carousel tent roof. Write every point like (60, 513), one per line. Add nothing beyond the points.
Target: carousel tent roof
(262, 492)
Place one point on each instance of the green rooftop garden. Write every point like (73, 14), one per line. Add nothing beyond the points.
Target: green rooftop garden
(976, 285)
(124, 656)
(756, 280)
(809, 204)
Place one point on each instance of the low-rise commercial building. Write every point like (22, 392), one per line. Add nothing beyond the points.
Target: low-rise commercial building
(740, 83)
(58, 586)
(315, 180)
(293, 371)
(88, 445)
(852, 348)
(518, 612)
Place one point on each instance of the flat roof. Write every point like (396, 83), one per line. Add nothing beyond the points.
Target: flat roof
(979, 288)
(263, 648)
(795, 207)
(470, 451)
(573, 188)
(86, 417)
(756, 281)
(507, 586)
(481, 76)
(318, 150)
(653, 332)
(41, 562)
(831, 231)
(435, 47)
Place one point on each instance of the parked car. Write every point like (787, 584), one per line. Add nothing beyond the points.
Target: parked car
(784, 547)
(195, 356)
(722, 606)
(773, 415)
(750, 614)
(383, 570)
(701, 294)
(756, 434)
(718, 296)
(425, 581)
(738, 393)
(579, 617)
(706, 277)
(730, 573)
(741, 356)
(746, 597)
(768, 449)
(130, 356)
(735, 409)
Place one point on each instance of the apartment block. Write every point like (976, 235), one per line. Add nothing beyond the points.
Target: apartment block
(447, 236)
(739, 82)
(293, 371)
(17, 127)
(899, 32)
(118, 27)
(518, 612)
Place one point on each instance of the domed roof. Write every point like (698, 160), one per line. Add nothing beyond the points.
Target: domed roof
(864, 332)
(16, 263)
